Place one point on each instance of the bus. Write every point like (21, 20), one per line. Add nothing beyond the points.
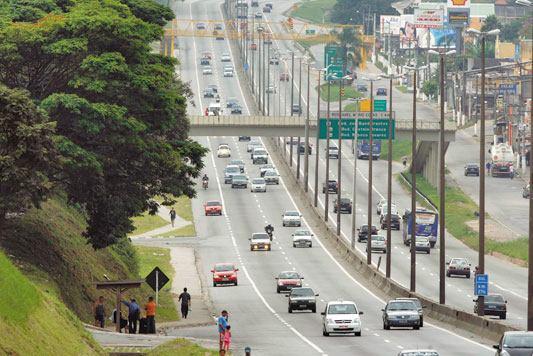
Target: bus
(427, 224)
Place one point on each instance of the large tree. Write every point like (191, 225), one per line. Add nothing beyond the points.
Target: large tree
(27, 152)
(120, 109)
(360, 11)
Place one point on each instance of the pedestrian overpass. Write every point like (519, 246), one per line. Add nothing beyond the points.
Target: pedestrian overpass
(426, 160)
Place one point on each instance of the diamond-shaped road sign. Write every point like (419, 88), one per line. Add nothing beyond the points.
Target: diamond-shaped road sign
(158, 275)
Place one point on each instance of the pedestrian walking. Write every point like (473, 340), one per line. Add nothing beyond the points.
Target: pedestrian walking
(150, 315)
(172, 216)
(222, 323)
(511, 172)
(134, 314)
(488, 166)
(227, 340)
(99, 312)
(185, 299)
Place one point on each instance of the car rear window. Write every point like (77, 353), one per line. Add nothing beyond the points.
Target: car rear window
(213, 203)
(378, 238)
(292, 213)
(302, 292)
(401, 305)
(289, 275)
(524, 341)
(342, 309)
(258, 181)
(223, 268)
(301, 233)
(494, 299)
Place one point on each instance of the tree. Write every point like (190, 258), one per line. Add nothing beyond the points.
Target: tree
(120, 109)
(359, 11)
(351, 44)
(27, 152)
(491, 23)
(431, 87)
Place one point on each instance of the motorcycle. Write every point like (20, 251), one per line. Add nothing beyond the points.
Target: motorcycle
(205, 183)
(270, 233)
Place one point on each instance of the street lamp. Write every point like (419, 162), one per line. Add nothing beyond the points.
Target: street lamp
(442, 184)
(481, 249)
(413, 184)
(354, 188)
(391, 77)
(370, 161)
(306, 152)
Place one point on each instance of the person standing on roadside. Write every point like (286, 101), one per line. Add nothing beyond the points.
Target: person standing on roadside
(172, 216)
(185, 299)
(150, 315)
(134, 313)
(222, 323)
(488, 166)
(99, 312)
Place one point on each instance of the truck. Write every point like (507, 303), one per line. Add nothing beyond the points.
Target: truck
(363, 149)
(502, 158)
(427, 224)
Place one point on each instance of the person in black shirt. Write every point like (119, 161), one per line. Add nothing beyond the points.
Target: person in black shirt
(185, 299)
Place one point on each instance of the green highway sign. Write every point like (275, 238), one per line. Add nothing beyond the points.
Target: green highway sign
(310, 32)
(334, 57)
(380, 105)
(380, 129)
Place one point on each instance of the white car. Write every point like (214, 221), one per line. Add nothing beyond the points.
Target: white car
(302, 238)
(378, 243)
(259, 155)
(379, 205)
(207, 71)
(271, 90)
(225, 57)
(333, 152)
(341, 317)
(384, 208)
(223, 151)
(291, 218)
(260, 241)
(228, 72)
(265, 168)
(258, 185)
(271, 176)
(253, 144)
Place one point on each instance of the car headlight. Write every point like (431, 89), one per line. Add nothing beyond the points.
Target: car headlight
(356, 321)
(330, 320)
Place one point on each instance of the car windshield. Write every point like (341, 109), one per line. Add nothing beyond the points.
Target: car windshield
(345, 201)
(267, 166)
(223, 147)
(416, 301)
(270, 173)
(495, 298)
(232, 169)
(378, 238)
(223, 268)
(260, 152)
(258, 181)
(236, 162)
(289, 275)
(524, 341)
(292, 213)
(342, 309)
(421, 239)
(459, 262)
(213, 203)
(302, 233)
(302, 292)
(419, 353)
(260, 236)
(239, 177)
(401, 305)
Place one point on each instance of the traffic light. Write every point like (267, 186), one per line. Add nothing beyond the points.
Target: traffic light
(290, 23)
(342, 92)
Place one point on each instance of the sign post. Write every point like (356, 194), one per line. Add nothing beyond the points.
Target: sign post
(157, 280)
(349, 126)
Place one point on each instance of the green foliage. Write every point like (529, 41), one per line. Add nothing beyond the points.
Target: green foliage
(431, 87)
(355, 11)
(510, 31)
(27, 152)
(120, 109)
(334, 91)
(400, 149)
(181, 347)
(351, 43)
(316, 11)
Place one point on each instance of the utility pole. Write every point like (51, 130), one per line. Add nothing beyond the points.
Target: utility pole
(370, 159)
(298, 155)
(339, 162)
(268, 79)
(292, 102)
(328, 127)
(264, 75)
(306, 152)
(317, 141)
(253, 52)
(354, 185)
(259, 35)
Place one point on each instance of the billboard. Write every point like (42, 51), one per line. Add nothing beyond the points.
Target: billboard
(444, 37)
(389, 24)
(458, 4)
(407, 31)
(429, 18)
(459, 12)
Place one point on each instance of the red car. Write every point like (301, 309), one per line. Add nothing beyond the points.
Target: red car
(213, 207)
(288, 280)
(224, 273)
(284, 77)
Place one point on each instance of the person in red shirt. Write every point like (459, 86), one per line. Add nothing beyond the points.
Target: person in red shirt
(150, 315)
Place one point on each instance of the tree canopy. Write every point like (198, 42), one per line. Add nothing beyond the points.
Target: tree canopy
(120, 110)
(358, 11)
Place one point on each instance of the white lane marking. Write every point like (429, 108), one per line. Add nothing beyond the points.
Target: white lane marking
(248, 276)
(508, 291)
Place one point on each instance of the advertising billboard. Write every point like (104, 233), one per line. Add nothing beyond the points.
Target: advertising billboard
(429, 18)
(444, 37)
(389, 24)
(407, 31)
(459, 13)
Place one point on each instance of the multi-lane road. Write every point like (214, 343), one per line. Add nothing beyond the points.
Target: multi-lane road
(259, 315)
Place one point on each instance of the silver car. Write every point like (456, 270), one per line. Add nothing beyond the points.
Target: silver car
(401, 313)
(302, 238)
(291, 218)
(271, 177)
(258, 185)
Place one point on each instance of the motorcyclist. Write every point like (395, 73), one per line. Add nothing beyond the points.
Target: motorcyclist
(205, 181)
(269, 229)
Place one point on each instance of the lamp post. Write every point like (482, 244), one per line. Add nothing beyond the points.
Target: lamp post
(391, 77)
(481, 249)
(328, 126)
(318, 134)
(268, 91)
(298, 155)
(306, 143)
(442, 184)
(370, 161)
(292, 102)
(354, 185)
(339, 161)
(412, 286)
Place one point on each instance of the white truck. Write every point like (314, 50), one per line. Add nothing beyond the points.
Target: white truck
(502, 158)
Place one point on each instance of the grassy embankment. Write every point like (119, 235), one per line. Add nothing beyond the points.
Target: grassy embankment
(182, 347)
(48, 246)
(459, 210)
(316, 11)
(33, 320)
(349, 93)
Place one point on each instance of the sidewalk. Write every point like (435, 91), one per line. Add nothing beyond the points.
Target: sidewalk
(164, 213)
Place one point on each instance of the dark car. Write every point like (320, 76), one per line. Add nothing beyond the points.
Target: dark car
(418, 306)
(362, 87)
(266, 9)
(204, 61)
(209, 93)
(301, 148)
(381, 92)
(458, 267)
(302, 299)
(231, 102)
(394, 221)
(401, 313)
(362, 234)
(345, 206)
(515, 343)
(472, 169)
(274, 61)
(239, 181)
(268, 4)
(236, 109)
(494, 304)
(244, 138)
(296, 109)
(332, 186)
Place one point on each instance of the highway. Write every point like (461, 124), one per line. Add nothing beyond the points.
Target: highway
(259, 316)
(506, 278)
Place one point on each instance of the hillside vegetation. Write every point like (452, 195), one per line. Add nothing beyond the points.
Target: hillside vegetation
(34, 322)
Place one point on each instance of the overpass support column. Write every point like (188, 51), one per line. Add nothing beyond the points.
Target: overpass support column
(430, 169)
